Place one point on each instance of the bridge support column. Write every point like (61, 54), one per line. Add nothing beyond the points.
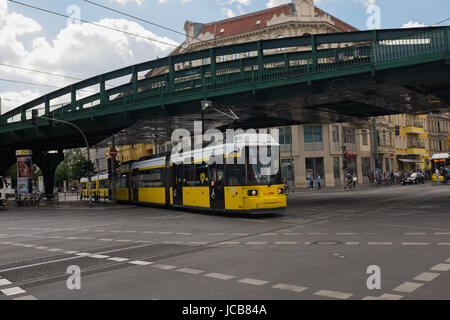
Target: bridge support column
(48, 162)
(7, 159)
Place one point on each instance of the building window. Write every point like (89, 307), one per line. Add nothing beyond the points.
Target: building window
(315, 167)
(206, 61)
(365, 138)
(285, 139)
(336, 168)
(349, 135)
(366, 166)
(387, 164)
(313, 134)
(335, 131)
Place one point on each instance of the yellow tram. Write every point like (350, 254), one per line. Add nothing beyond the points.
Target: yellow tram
(99, 186)
(191, 180)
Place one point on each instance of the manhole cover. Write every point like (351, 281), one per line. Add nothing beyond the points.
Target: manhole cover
(327, 243)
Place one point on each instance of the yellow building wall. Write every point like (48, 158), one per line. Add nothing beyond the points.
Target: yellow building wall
(133, 152)
(416, 137)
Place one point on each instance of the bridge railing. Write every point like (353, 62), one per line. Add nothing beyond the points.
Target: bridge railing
(279, 60)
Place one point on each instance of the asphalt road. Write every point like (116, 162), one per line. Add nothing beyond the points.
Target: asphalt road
(319, 249)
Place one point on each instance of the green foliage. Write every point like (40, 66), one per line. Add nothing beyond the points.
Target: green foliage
(71, 168)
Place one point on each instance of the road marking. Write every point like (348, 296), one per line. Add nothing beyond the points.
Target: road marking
(72, 238)
(54, 249)
(197, 243)
(4, 282)
(41, 248)
(448, 260)
(317, 234)
(415, 234)
(117, 259)
(141, 263)
(441, 267)
(219, 276)
(427, 276)
(190, 271)
(270, 234)
(415, 243)
(239, 234)
(216, 234)
(148, 231)
(256, 243)
(286, 242)
(124, 240)
(254, 282)
(442, 233)
(172, 242)
(444, 244)
(184, 233)
(346, 234)
(289, 287)
(102, 239)
(333, 294)
(12, 291)
(388, 296)
(352, 243)
(408, 287)
(70, 252)
(165, 232)
(83, 254)
(25, 298)
(99, 256)
(163, 266)
(229, 242)
(379, 243)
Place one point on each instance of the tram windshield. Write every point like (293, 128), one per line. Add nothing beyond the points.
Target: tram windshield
(266, 170)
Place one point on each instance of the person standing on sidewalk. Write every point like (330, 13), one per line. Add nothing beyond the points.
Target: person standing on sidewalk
(318, 182)
(311, 182)
(437, 176)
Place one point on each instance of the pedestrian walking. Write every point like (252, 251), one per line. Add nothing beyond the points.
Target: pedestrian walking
(318, 182)
(311, 182)
(437, 176)
(355, 181)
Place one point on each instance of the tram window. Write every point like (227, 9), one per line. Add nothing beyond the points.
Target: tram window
(220, 175)
(103, 184)
(150, 178)
(123, 181)
(189, 175)
(235, 175)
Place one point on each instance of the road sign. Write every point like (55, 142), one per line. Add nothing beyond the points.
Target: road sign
(113, 153)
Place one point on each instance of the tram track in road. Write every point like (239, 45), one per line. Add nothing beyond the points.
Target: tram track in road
(154, 257)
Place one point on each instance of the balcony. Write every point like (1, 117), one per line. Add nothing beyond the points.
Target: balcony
(416, 148)
(413, 127)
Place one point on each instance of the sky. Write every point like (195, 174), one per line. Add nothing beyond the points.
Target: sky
(38, 40)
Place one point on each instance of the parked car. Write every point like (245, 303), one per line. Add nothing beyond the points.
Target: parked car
(414, 178)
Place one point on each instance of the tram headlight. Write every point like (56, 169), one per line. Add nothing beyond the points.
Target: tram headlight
(280, 191)
(252, 193)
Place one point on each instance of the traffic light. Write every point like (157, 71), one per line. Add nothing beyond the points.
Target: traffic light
(206, 105)
(51, 122)
(34, 117)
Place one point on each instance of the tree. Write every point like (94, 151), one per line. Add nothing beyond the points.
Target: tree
(70, 169)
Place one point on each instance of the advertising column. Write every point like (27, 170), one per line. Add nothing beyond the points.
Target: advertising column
(24, 172)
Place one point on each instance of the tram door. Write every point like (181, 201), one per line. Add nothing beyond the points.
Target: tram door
(217, 186)
(135, 185)
(177, 185)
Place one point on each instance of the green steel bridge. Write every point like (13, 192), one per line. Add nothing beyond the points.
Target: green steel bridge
(320, 78)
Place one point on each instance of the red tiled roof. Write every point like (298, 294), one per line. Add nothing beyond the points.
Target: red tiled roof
(247, 23)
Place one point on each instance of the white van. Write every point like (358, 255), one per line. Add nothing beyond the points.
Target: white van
(3, 197)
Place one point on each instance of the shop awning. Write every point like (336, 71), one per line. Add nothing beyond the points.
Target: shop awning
(441, 156)
(410, 160)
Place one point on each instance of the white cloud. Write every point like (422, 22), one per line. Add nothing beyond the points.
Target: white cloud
(124, 2)
(78, 50)
(228, 12)
(413, 24)
(275, 3)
